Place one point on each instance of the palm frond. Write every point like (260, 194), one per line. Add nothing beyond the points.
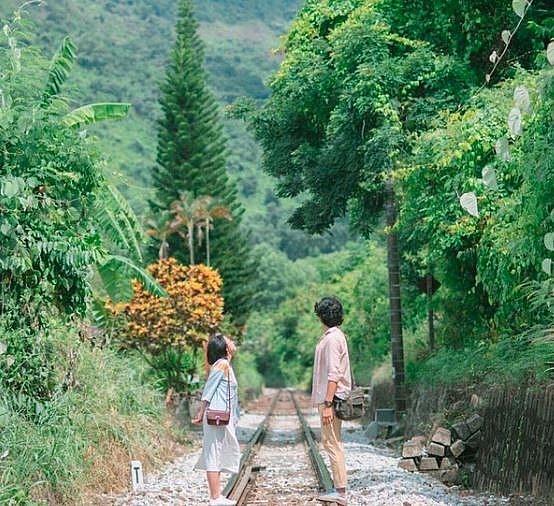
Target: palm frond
(59, 71)
(118, 223)
(118, 272)
(93, 113)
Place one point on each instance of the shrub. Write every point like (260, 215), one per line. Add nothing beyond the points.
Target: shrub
(169, 331)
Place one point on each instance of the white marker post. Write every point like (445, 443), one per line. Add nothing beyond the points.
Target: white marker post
(136, 475)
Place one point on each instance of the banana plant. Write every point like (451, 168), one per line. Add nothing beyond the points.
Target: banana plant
(114, 218)
(60, 68)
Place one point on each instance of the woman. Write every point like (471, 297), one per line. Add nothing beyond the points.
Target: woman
(220, 448)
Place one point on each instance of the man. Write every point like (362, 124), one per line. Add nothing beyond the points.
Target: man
(331, 380)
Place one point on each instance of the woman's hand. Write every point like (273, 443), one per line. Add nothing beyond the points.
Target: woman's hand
(231, 347)
(200, 415)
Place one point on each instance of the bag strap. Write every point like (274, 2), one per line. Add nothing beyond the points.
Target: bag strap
(229, 386)
(352, 384)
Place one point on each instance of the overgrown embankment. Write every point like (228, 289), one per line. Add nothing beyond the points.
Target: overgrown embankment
(82, 436)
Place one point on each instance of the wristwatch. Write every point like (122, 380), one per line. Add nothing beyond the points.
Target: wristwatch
(328, 404)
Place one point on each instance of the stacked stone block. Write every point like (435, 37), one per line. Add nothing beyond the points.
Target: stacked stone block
(445, 452)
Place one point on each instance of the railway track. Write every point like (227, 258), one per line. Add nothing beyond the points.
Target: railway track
(281, 464)
(279, 468)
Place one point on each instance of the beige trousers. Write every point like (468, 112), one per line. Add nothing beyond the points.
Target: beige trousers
(332, 442)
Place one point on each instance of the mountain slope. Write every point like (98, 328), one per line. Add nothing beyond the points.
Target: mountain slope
(122, 50)
(123, 47)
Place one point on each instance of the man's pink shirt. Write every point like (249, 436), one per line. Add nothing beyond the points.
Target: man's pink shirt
(331, 363)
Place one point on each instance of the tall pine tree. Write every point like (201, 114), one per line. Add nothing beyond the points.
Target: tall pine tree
(191, 163)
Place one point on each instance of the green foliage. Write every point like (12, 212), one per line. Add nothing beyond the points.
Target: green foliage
(511, 361)
(278, 278)
(343, 104)
(51, 178)
(48, 183)
(27, 369)
(354, 99)
(59, 71)
(173, 368)
(438, 236)
(283, 337)
(250, 381)
(368, 324)
(514, 241)
(92, 113)
(485, 258)
(240, 42)
(125, 239)
(440, 22)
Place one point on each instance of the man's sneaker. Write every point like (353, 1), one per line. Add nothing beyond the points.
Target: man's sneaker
(222, 501)
(333, 497)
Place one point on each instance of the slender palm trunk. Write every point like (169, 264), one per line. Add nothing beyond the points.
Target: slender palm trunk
(190, 238)
(207, 226)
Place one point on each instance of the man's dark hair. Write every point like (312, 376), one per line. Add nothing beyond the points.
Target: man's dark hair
(217, 348)
(329, 310)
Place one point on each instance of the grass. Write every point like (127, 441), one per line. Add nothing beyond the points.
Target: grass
(77, 445)
(80, 442)
(517, 360)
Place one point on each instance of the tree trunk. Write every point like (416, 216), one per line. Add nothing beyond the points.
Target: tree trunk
(190, 239)
(430, 314)
(207, 225)
(393, 261)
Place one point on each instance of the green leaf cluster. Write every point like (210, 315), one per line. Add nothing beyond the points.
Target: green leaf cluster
(344, 104)
(48, 183)
(283, 332)
(52, 224)
(370, 90)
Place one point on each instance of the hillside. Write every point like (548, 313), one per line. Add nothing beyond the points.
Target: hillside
(122, 50)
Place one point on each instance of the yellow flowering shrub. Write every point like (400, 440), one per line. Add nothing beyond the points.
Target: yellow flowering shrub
(183, 319)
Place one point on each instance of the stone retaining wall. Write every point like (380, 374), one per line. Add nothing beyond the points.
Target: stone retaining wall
(515, 450)
(516, 453)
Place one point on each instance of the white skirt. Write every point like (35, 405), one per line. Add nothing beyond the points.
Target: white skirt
(220, 448)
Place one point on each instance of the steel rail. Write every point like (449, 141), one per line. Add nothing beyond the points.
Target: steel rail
(238, 483)
(320, 469)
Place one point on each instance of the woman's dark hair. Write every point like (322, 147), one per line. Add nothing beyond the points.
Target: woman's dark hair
(217, 348)
(329, 310)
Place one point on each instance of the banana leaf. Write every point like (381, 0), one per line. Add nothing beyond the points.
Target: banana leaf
(93, 113)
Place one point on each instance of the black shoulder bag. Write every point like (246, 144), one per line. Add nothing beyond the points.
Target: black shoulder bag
(353, 406)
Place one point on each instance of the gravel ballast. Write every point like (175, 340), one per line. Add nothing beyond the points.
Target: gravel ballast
(374, 476)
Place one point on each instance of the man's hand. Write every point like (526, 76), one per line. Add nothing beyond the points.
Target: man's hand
(327, 415)
(197, 420)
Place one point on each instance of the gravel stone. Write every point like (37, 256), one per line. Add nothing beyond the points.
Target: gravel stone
(374, 476)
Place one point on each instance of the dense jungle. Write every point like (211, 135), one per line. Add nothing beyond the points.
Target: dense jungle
(172, 167)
